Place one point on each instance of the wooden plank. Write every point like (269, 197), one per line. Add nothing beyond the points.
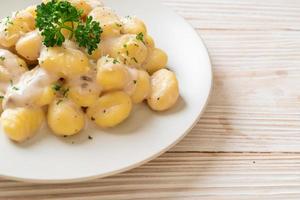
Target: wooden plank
(255, 104)
(181, 176)
(253, 50)
(242, 15)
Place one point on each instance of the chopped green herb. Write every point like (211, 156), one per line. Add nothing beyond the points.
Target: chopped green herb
(125, 45)
(59, 101)
(118, 25)
(116, 61)
(140, 37)
(11, 82)
(1, 97)
(2, 58)
(127, 53)
(56, 87)
(65, 92)
(15, 88)
(8, 21)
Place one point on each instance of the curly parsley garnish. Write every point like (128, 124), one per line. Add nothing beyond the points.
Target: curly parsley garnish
(56, 15)
(88, 35)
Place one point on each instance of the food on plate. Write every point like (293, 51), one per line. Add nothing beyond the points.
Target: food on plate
(69, 62)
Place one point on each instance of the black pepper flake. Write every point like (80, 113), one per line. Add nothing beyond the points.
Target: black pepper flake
(90, 137)
(104, 111)
(134, 81)
(93, 119)
(84, 85)
(86, 78)
(65, 136)
(158, 98)
(84, 109)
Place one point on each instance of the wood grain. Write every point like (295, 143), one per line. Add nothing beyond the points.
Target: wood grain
(181, 176)
(239, 14)
(247, 144)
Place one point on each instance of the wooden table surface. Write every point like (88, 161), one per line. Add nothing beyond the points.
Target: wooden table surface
(247, 144)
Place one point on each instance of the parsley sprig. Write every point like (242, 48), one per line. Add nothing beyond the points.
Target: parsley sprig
(56, 15)
(88, 35)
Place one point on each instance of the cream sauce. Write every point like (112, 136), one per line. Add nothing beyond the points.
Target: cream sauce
(86, 83)
(9, 67)
(11, 63)
(28, 89)
(131, 82)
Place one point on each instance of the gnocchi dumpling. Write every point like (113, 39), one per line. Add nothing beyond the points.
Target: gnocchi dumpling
(111, 74)
(12, 28)
(133, 25)
(29, 45)
(20, 124)
(109, 21)
(82, 5)
(149, 42)
(164, 90)
(32, 10)
(46, 97)
(65, 118)
(157, 59)
(64, 61)
(111, 109)
(130, 50)
(139, 86)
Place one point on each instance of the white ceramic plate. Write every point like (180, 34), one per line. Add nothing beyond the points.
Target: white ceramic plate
(141, 138)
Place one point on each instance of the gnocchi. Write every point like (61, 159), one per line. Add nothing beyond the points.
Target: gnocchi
(12, 28)
(68, 78)
(111, 74)
(29, 45)
(20, 124)
(133, 25)
(164, 90)
(65, 117)
(65, 61)
(111, 109)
